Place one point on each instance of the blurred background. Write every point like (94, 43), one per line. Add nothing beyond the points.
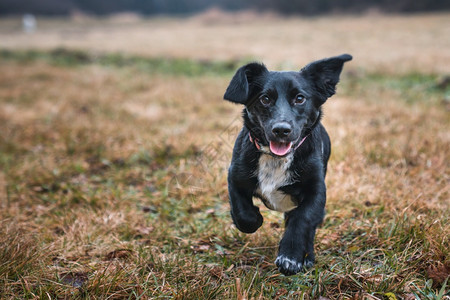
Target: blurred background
(382, 35)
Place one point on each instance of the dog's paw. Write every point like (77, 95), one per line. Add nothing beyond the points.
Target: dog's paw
(291, 266)
(248, 221)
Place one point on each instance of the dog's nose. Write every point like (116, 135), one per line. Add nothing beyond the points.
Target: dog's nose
(282, 129)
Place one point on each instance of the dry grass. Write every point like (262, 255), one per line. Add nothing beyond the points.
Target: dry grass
(113, 179)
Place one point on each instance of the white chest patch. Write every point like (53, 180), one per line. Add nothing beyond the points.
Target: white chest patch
(273, 173)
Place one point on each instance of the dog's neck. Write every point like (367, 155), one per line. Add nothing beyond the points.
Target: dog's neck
(254, 130)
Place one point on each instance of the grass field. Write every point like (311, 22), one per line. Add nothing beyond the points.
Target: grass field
(115, 140)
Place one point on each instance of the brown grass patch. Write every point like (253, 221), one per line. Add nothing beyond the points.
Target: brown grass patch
(387, 44)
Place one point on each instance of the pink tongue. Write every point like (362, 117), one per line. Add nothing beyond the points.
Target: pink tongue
(280, 149)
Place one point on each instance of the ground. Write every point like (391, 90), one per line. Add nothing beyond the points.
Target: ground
(115, 140)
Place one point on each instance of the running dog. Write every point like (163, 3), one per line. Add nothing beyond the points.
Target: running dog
(282, 151)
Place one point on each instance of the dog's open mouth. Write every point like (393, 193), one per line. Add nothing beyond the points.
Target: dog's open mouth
(280, 148)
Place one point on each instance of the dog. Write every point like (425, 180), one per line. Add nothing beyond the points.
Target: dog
(281, 154)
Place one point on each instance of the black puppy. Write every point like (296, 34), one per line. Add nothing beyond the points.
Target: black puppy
(281, 153)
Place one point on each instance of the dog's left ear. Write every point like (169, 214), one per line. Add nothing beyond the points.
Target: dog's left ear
(325, 73)
(240, 87)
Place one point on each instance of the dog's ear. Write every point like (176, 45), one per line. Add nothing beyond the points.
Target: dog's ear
(325, 73)
(239, 89)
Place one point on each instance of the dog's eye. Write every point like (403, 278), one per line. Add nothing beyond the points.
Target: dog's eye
(299, 99)
(265, 100)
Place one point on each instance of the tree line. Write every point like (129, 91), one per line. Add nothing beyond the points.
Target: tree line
(187, 7)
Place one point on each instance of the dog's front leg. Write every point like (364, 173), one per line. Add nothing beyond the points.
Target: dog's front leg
(246, 216)
(296, 250)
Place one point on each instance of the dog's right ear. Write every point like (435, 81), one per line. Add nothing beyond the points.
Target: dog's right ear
(239, 89)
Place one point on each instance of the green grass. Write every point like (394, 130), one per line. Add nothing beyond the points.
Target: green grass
(73, 58)
(410, 87)
(103, 198)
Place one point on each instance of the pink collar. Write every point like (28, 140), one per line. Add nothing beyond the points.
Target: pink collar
(301, 142)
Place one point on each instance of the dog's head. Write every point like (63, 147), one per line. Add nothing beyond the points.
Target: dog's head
(282, 106)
